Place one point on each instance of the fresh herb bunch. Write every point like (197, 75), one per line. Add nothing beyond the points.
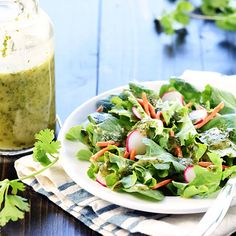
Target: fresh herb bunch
(12, 206)
(222, 12)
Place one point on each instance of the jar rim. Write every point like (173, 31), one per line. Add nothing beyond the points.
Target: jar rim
(17, 14)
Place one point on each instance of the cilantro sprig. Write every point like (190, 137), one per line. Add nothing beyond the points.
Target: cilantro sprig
(13, 206)
(222, 12)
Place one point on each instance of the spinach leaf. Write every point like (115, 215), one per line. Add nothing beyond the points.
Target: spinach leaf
(156, 152)
(189, 92)
(218, 142)
(223, 122)
(84, 154)
(223, 96)
(145, 191)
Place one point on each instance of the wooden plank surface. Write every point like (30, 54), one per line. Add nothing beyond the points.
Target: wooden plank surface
(76, 32)
(101, 44)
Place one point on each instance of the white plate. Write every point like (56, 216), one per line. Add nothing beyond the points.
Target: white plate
(77, 169)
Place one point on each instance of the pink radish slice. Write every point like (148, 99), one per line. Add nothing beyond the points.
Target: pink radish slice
(134, 141)
(101, 180)
(189, 174)
(136, 113)
(173, 96)
(198, 115)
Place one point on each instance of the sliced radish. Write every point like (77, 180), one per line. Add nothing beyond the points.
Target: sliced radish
(134, 141)
(101, 180)
(136, 113)
(198, 115)
(189, 174)
(173, 96)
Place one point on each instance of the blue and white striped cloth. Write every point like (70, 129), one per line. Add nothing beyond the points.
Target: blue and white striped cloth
(104, 217)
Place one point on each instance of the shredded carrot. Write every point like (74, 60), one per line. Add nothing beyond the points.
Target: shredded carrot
(178, 151)
(210, 116)
(188, 105)
(208, 163)
(140, 101)
(126, 154)
(145, 103)
(106, 143)
(132, 155)
(152, 110)
(100, 109)
(161, 184)
(98, 154)
(158, 115)
(172, 133)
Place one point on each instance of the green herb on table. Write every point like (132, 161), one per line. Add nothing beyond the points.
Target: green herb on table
(222, 12)
(13, 206)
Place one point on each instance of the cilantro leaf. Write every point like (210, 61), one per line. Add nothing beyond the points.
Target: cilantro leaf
(45, 146)
(12, 205)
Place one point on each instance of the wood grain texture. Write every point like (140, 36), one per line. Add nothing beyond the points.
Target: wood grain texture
(101, 44)
(76, 32)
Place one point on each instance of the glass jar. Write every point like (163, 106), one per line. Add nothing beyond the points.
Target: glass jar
(27, 93)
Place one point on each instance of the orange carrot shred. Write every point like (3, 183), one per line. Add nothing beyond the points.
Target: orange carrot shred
(98, 154)
(140, 101)
(106, 143)
(208, 163)
(161, 184)
(210, 116)
(152, 110)
(172, 133)
(100, 109)
(179, 151)
(126, 154)
(145, 103)
(132, 155)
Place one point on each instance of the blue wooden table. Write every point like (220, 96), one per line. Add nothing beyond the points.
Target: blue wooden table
(101, 44)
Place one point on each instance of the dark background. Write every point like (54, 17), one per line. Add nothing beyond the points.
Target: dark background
(101, 44)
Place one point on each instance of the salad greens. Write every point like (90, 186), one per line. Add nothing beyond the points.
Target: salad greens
(176, 142)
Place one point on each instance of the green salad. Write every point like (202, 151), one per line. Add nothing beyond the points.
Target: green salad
(178, 141)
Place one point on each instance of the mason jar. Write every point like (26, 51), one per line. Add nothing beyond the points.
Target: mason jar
(27, 88)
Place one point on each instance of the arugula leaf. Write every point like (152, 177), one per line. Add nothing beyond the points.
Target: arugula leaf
(13, 206)
(44, 146)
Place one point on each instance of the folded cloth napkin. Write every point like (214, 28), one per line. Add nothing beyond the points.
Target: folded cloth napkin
(107, 218)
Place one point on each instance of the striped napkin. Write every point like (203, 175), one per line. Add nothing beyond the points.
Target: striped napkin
(110, 219)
